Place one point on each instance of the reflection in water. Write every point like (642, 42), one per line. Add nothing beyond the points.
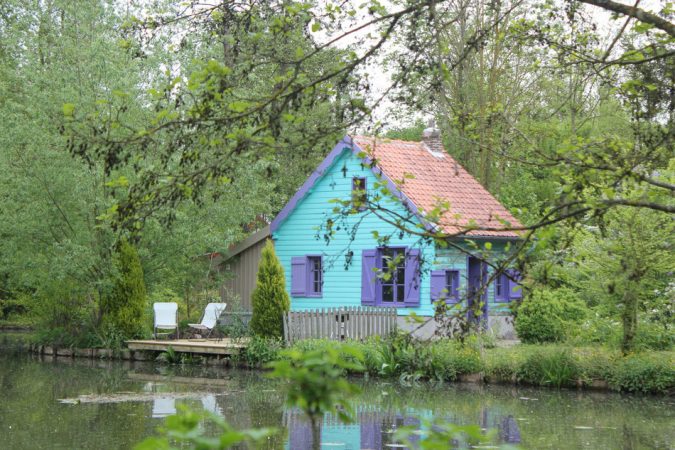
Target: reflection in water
(162, 407)
(374, 429)
(31, 416)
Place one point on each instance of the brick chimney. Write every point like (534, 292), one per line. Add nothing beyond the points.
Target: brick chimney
(431, 136)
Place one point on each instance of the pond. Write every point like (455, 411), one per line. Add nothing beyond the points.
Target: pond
(126, 402)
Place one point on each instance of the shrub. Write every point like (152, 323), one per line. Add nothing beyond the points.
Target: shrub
(270, 299)
(643, 372)
(261, 351)
(653, 336)
(546, 314)
(124, 309)
(604, 330)
(549, 366)
(446, 360)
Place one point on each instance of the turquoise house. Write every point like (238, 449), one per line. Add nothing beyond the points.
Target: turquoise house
(340, 240)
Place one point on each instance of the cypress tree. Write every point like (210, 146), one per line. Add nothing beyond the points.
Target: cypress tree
(124, 309)
(270, 299)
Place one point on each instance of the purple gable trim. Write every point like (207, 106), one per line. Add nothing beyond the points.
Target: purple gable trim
(346, 143)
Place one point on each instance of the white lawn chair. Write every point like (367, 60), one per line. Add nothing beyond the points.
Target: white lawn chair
(165, 317)
(211, 314)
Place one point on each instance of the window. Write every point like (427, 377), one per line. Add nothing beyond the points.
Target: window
(306, 276)
(393, 275)
(390, 277)
(315, 275)
(359, 194)
(507, 287)
(445, 285)
(500, 286)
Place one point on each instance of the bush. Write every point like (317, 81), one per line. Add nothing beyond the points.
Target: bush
(646, 373)
(261, 351)
(604, 330)
(270, 299)
(401, 356)
(124, 309)
(546, 314)
(64, 313)
(556, 365)
(549, 366)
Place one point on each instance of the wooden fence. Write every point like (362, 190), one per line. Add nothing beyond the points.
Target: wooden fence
(339, 323)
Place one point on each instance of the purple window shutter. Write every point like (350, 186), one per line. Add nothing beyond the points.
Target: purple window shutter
(437, 285)
(412, 277)
(368, 277)
(299, 275)
(515, 290)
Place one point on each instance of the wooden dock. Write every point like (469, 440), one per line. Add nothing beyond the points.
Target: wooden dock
(196, 346)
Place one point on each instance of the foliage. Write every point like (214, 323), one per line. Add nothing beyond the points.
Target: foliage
(107, 336)
(560, 365)
(185, 429)
(623, 271)
(555, 367)
(402, 357)
(64, 314)
(643, 372)
(269, 298)
(125, 307)
(260, 351)
(608, 331)
(545, 315)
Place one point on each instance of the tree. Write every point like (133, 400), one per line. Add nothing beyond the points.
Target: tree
(622, 269)
(124, 309)
(269, 298)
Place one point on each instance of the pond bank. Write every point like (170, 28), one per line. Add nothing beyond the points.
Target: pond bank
(444, 361)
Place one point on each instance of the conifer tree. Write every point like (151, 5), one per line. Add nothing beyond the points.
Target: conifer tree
(124, 309)
(270, 299)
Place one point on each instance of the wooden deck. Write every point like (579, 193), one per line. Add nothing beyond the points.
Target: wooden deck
(197, 346)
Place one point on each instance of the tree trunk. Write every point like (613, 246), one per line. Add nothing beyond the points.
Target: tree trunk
(316, 433)
(629, 317)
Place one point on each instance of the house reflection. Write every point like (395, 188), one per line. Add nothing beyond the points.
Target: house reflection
(374, 430)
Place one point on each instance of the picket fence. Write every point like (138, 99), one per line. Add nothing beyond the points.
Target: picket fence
(339, 323)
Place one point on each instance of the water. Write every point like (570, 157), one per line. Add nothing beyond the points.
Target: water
(138, 396)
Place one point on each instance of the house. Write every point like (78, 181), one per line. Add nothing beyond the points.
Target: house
(334, 259)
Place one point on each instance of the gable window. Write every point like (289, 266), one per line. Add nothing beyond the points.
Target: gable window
(507, 287)
(445, 285)
(307, 276)
(359, 193)
(390, 277)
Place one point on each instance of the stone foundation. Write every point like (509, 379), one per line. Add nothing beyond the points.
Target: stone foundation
(500, 325)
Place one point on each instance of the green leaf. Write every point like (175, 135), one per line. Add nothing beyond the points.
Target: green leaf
(68, 109)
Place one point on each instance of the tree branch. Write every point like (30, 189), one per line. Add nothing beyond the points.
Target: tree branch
(637, 13)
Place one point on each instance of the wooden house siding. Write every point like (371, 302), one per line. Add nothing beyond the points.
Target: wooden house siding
(243, 271)
(297, 236)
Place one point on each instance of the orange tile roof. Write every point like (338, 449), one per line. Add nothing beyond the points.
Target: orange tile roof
(437, 177)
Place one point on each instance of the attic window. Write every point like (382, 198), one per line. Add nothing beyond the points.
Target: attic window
(359, 193)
